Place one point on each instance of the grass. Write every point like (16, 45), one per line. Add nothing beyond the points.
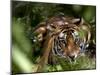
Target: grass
(82, 63)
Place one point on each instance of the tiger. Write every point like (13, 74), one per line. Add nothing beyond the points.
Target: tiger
(63, 36)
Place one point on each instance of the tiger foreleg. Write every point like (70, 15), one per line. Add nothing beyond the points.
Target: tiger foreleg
(44, 59)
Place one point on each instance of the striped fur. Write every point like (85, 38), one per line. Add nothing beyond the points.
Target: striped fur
(61, 36)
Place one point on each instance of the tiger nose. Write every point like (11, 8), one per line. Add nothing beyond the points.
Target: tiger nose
(72, 57)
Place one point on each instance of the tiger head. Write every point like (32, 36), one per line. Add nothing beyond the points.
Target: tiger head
(68, 39)
(69, 45)
(66, 31)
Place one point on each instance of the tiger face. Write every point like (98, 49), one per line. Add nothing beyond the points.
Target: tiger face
(68, 44)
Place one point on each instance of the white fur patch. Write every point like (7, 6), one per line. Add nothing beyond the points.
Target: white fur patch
(66, 22)
(61, 35)
(49, 27)
(76, 33)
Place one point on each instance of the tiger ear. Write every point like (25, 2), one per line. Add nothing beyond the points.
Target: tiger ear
(39, 31)
(78, 21)
(40, 28)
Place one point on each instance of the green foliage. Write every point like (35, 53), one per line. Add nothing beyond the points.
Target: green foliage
(25, 16)
(81, 63)
(21, 49)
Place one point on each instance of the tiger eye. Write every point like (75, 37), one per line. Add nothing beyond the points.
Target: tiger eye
(65, 32)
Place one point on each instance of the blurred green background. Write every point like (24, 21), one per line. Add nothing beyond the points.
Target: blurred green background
(26, 15)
